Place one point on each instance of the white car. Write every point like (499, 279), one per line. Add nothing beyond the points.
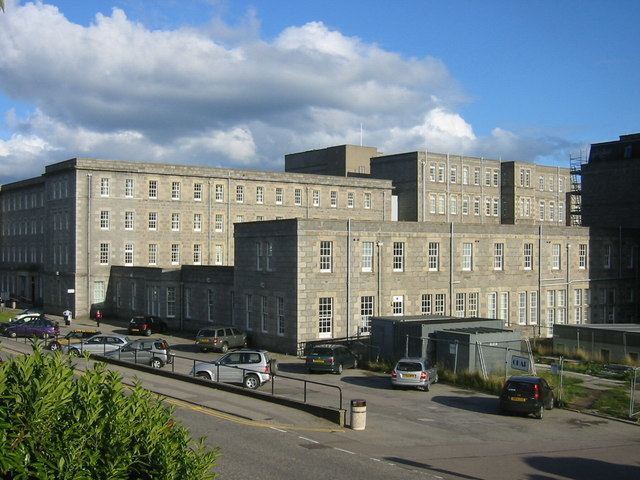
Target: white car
(251, 368)
(98, 344)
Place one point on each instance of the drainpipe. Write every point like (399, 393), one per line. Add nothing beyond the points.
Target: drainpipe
(348, 277)
(448, 179)
(209, 225)
(379, 249)
(89, 226)
(539, 280)
(451, 245)
(482, 176)
(424, 193)
(229, 223)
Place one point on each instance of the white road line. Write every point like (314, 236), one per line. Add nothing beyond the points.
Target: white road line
(425, 419)
(308, 439)
(375, 459)
(343, 450)
(278, 429)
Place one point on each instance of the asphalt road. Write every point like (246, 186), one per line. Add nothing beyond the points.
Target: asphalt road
(445, 433)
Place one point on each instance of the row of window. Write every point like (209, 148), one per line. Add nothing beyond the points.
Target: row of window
(437, 174)
(263, 313)
(438, 205)
(153, 254)
(525, 181)
(19, 201)
(175, 222)
(546, 210)
(240, 191)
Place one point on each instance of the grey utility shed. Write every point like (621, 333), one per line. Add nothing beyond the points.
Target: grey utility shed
(396, 337)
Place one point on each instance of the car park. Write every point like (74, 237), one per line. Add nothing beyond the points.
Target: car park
(146, 325)
(150, 351)
(330, 358)
(40, 327)
(251, 368)
(221, 338)
(414, 373)
(526, 394)
(73, 337)
(98, 344)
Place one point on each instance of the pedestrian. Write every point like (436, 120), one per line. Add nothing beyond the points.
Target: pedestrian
(98, 317)
(67, 316)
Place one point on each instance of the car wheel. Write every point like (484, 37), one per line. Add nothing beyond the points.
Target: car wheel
(224, 348)
(540, 412)
(340, 368)
(156, 363)
(203, 375)
(435, 380)
(550, 405)
(148, 332)
(203, 350)
(394, 386)
(12, 335)
(310, 370)
(427, 387)
(53, 346)
(251, 381)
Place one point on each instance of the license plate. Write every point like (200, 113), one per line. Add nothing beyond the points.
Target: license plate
(409, 375)
(318, 360)
(135, 330)
(517, 399)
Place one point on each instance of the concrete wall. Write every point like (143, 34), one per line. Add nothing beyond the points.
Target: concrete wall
(340, 160)
(619, 343)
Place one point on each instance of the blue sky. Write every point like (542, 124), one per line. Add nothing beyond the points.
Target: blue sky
(239, 83)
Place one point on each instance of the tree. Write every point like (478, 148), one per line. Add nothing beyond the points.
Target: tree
(54, 424)
(2, 5)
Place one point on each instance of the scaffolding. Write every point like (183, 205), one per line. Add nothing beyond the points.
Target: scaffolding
(575, 195)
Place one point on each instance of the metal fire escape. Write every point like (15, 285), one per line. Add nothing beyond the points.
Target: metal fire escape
(575, 195)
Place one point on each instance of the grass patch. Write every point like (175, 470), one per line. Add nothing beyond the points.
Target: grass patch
(7, 314)
(473, 380)
(380, 366)
(614, 402)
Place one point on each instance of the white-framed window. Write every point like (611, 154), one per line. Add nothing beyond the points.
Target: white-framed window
(487, 206)
(280, 314)
(128, 220)
(218, 256)
(434, 256)
(104, 220)
(453, 204)
(197, 222)
(175, 253)
(432, 172)
(326, 256)
(197, 254)
(606, 257)
(279, 195)
(367, 200)
(248, 300)
(439, 304)
(128, 254)
(522, 308)
(528, 256)
(239, 193)
(325, 317)
(153, 189)
(153, 254)
(487, 177)
(398, 256)
(498, 256)
(264, 314)
(476, 175)
(492, 305)
(366, 312)
(472, 304)
(104, 187)
(171, 302)
(367, 256)
(442, 204)
(465, 205)
(153, 220)
(426, 303)
(541, 210)
(533, 308)
(334, 198)
(218, 223)
(219, 193)
(476, 206)
(175, 222)
(269, 251)
(555, 256)
(453, 174)
(467, 256)
(397, 305)
(496, 206)
(441, 173)
(98, 292)
(432, 203)
(197, 192)
(552, 211)
(315, 196)
(128, 187)
(175, 190)
(297, 196)
(465, 175)
(541, 183)
(496, 177)
(260, 195)
(104, 254)
(259, 256)
(350, 199)
(504, 307)
(560, 184)
(460, 304)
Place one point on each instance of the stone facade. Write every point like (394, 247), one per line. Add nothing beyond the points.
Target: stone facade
(334, 275)
(341, 160)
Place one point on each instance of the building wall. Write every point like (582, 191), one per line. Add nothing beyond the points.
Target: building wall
(621, 343)
(340, 160)
(553, 286)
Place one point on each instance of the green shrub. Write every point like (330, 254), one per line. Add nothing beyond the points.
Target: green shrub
(474, 380)
(54, 425)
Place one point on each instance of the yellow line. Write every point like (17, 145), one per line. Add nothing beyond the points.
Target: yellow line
(243, 421)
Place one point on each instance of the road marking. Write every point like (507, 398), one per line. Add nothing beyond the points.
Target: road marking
(278, 429)
(308, 439)
(343, 450)
(426, 420)
(375, 459)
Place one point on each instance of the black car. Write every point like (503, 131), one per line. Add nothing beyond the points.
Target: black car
(146, 325)
(330, 358)
(523, 394)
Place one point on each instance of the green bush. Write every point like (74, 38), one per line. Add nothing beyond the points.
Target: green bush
(474, 380)
(54, 424)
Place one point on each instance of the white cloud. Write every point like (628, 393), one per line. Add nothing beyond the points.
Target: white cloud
(120, 90)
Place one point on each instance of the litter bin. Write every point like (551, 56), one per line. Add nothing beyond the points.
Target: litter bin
(358, 414)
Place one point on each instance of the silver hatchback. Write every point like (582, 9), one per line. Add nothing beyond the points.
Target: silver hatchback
(251, 368)
(414, 373)
(150, 351)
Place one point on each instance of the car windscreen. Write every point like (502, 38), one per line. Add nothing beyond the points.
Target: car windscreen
(409, 367)
(322, 351)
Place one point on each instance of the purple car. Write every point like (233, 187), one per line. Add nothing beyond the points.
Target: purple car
(41, 327)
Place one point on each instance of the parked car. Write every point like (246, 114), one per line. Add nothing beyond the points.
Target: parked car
(414, 373)
(99, 344)
(251, 368)
(33, 311)
(25, 317)
(220, 337)
(524, 394)
(40, 327)
(330, 358)
(146, 325)
(150, 351)
(72, 338)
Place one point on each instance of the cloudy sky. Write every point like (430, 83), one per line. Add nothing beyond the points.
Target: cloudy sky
(240, 83)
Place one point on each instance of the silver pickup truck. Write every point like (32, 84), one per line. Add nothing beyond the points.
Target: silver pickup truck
(414, 373)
